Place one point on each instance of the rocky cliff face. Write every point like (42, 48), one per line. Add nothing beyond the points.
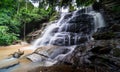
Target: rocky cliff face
(101, 54)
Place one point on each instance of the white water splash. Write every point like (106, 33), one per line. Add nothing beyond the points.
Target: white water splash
(98, 20)
(98, 0)
(47, 35)
(35, 3)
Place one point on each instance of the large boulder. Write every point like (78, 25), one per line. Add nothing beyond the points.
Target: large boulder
(48, 52)
(98, 53)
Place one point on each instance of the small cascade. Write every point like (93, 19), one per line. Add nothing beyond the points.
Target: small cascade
(98, 20)
(72, 29)
(47, 35)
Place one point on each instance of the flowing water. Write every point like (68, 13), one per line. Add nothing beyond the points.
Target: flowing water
(72, 29)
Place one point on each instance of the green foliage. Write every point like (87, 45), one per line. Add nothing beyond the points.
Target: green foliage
(14, 14)
(6, 38)
(84, 2)
(54, 16)
(116, 9)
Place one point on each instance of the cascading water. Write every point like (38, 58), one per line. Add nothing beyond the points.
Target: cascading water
(72, 29)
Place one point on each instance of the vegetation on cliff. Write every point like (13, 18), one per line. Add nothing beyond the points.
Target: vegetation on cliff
(19, 17)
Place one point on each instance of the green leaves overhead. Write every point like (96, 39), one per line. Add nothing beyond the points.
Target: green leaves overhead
(67, 2)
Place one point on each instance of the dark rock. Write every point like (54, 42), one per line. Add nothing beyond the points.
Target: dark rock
(96, 6)
(82, 19)
(58, 52)
(116, 52)
(104, 35)
(68, 16)
(78, 56)
(17, 54)
(117, 34)
(54, 30)
(85, 28)
(82, 40)
(102, 29)
(115, 28)
(101, 49)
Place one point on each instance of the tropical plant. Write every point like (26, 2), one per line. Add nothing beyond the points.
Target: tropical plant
(6, 38)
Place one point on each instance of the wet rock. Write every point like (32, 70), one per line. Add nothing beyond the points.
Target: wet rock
(98, 53)
(82, 19)
(82, 23)
(36, 57)
(78, 56)
(17, 54)
(55, 30)
(102, 49)
(41, 53)
(77, 28)
(51, 52)
(104, 35)
(59, 51)
(116, 52)
(67, 39)
(102, 29)
(8, 63)
(115, 28)
(82, 40)
(117, 35)
(113, 43)
(68, 16)
(65, 18)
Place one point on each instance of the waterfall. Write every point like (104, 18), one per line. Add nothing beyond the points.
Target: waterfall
(72, 29)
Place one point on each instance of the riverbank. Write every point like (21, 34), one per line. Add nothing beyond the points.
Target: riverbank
(7, 61)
